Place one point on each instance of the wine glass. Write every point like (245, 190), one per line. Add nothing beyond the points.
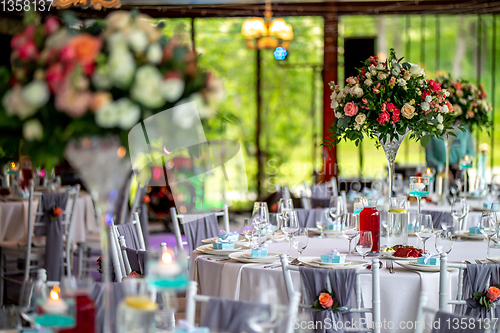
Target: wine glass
(365, 243)
(322, 223)
(290, 225)
(336, 207)
(495, 185)
(284, 205)
(300, 240)
(247, 228)
(443, 242)
(424, 227)
(459, 211)
(260, 215)
(350, 228)
(258, 238)
(398, 185)
(488, 227)
(447, 224)
(275, 224)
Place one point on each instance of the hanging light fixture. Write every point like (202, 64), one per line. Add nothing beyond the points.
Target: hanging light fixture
(267, 33)
(96, 4)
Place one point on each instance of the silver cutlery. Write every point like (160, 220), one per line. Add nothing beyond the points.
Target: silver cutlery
(272, 266)
(390, 266)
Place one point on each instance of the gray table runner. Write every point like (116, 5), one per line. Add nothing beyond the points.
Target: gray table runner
(308, 217)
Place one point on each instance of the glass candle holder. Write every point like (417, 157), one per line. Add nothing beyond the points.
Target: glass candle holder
(167, 270)
(419, 188)
(57, 312)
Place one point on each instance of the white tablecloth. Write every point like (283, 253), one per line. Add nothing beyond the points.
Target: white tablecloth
(399, 292)
(14, 219)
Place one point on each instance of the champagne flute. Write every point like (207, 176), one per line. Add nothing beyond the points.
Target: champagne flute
(350, 228)
(424, 228)
(290, 225)
(459, 211)
(488, 227)
(365, 243)
(443, 242)
(260, 215)
(300, 240)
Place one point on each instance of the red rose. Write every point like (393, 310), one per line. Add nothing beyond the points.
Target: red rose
(325, 300)
(54, 76)
(374, 60)
(383, 118)
(436, 86)
(27, 51)
(134, 275)
(395, 115)
(57, 211)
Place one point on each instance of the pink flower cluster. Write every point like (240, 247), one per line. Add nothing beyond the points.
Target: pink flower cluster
(387, 110)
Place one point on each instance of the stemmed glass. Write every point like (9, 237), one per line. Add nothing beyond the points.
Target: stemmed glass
(300, 240)
(260, 215)
(365, 243)
(336, 207)
(495, 185)
(443, 242)
(290, 225)
(284, 205)
(323, 222)
(489, 227)
(275, 221)
(398, 185)
(459, 211)
(447, 224)
(248, 228)
(350, 228)
(269, 317)
(419, 188)
(424, 228)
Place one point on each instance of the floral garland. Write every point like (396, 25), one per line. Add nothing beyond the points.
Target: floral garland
(388, 99)
(326, 301)
(469, 102)
(487, 297)
(101, 79)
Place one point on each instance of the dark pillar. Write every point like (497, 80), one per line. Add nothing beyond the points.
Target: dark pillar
(258, 126)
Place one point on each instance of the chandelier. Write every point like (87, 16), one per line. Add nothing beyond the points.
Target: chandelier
(266, 33)
(97, 4)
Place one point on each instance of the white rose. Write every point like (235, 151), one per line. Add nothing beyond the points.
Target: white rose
(101, 78)
(356, 91)
(357, 127)
(428, 98)
(360, 119)
(420, 82)
(333, 95)
(340, 95)
(381, 76)
(128, 113)
(368, 82)
(462, 101)
(373, 72)
(36, 93)
(32, 130)
(402, 82)
(118, 19)
(155, 54)
(380, 66)
(447, 93)
(416, 70)
(147, 87)
(395, 71)
(440, 127)
(439, 118)
(121, 67)
(172, 89)
(368, 75)
(444, 109)
(408, 111)
(425, 106)
(339, 115)
(15, 104)
(137, 41)
(371, 68)
(346, 90)
(107, 115)
(117, 40)
(334, 104)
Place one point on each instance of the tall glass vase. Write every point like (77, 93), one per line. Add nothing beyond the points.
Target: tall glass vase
(391, 147)
(448, 139)
(103, 165)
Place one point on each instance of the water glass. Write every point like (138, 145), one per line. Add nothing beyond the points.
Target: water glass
(275, 224)
(247, 228)
(488, 227)
(447, 224)
(336, 207)
(290, 225)
(322, 222)
(258, 238)
(350, 228)
(424, 228)
(365, 243)
(300, 240)
(284, 205)
(260, 215)
(459, 210)
(443, 243)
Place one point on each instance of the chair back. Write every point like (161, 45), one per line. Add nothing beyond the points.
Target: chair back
(139, 194)
(192, 298)
(375, 308)
(180, 219)
(444, 298)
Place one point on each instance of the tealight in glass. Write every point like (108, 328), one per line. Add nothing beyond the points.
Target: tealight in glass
(419, 188)
(167, 270)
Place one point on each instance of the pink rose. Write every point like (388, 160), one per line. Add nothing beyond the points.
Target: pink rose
(17, 41)
(29, 32)
(364, 100)
(325, 300)
(68, 53)
(383, 118)
(377, 85)
(352, 81)
(395, 115)
(376, 91)
(493, 293)
(350, 109)
(51, 25)
(27, 51)
(54, 76)
(392, 81)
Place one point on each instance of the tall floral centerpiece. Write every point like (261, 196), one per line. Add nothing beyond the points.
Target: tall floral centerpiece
(387, 100)
(76, 90)
(470, 109)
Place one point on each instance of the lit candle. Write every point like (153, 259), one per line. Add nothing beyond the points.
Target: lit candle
(418, 186)
(167, 266)
(428, 172)
(466, 158)
(54, 304)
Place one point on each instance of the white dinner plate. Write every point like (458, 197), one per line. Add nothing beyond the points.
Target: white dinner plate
(209, 249)
(313, 262)
(421, 268)
(466, 234)
(494, 259)
(246, 257)
(318, 261)
(390, 256)
(213, 239)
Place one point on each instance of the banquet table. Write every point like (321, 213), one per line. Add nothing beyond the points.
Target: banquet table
(399, 291)
(13, 212)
